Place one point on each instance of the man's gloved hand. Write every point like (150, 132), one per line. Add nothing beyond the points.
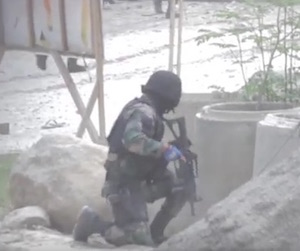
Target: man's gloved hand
(172, 153)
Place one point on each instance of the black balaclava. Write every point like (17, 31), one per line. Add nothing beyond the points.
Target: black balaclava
(164, 89)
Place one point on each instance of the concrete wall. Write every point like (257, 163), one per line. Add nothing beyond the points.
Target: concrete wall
(277, 137)
(189, 106)
(225, 145)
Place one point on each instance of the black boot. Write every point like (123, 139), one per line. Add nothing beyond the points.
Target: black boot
(73, 67)
(170, 209)
(158, 6)
(168, 15)
(88, 223)
(41, 61)
(169, 10)
(158, 226)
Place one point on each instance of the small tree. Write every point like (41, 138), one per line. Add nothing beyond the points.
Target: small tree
(271, 38)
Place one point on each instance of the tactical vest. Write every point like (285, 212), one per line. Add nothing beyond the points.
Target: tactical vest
(114, 139)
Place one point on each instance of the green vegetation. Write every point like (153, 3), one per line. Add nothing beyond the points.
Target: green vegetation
(272, 27)
(6, 163)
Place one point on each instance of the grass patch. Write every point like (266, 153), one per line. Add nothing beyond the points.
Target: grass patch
(6, 163)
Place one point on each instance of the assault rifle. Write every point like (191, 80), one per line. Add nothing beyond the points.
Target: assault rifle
(187, 171)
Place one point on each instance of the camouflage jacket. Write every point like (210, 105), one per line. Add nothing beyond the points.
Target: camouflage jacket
(135, 140)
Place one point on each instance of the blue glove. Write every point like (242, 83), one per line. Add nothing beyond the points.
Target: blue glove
(172, 153)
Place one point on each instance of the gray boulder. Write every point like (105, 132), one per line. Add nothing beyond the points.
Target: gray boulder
(263, 214)
(26, 217)
(4, 247)
(60, 174)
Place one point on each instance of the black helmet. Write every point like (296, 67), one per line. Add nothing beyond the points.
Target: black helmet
(166, 86)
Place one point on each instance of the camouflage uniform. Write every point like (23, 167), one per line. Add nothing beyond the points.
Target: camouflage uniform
(138, 164)
(137, 170)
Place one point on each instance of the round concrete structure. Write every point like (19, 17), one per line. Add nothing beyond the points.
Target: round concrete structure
(225, 145)
(277, 136)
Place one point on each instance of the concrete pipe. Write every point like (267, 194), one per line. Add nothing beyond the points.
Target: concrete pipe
(226, 135)
(277, 137)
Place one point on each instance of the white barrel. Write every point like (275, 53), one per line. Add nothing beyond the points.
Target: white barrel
(226, 134)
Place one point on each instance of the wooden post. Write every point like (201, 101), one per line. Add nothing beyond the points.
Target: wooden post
(91, 26)
(75, 94)
(94, 95)
(172, 34)
(2, 52)
(2, 40)
(88, 112)
(63, 25)
(179, 41)
(4, 127)
(29, 5)
(99, 50)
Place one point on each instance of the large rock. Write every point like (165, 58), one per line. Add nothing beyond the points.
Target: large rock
(4, 247)
(26, 217)
(49, 240)
(60, 174)
(263, 214)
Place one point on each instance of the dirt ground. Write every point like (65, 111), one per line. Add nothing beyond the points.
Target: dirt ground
(136, 44)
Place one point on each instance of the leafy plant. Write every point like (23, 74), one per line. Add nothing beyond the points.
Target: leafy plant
(271, 38)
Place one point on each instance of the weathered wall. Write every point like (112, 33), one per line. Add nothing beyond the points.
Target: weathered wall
(64, 26)
(277, 136)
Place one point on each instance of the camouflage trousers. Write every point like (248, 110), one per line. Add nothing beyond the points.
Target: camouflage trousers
(129, 207)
